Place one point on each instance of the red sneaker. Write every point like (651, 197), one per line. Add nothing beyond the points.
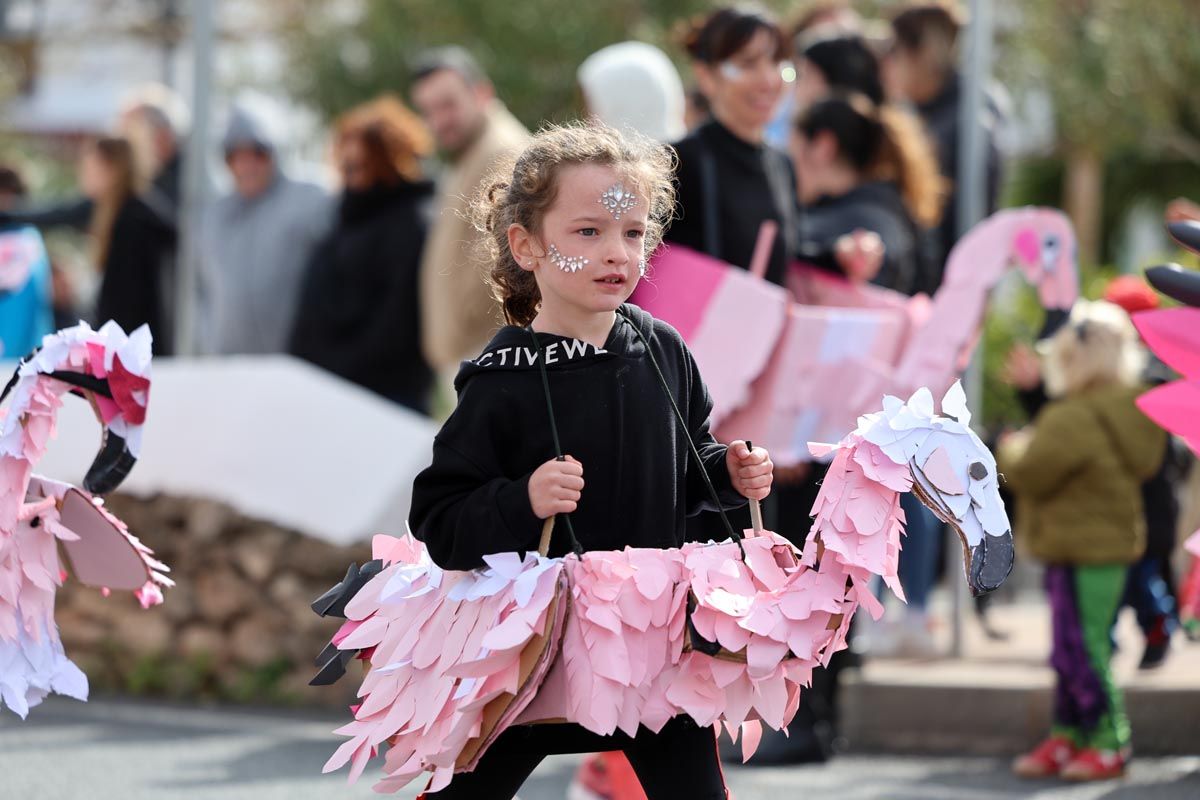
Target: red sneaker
(1047, 759)
(1095, 765)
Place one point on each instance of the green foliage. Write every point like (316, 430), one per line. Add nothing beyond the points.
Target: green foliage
(1130, 179)
(197, 677)
(1006, 324)
(1121, 73)
(530, 49)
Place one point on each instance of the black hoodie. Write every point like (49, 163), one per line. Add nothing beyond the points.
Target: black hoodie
(613, 416)
(875, 206)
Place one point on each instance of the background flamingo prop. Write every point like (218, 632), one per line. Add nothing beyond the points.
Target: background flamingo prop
(700, 295)
(111, 371)
(809, 368)
(607, 640)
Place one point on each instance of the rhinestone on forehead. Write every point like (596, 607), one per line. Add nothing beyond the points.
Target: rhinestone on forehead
(617, 200)
(572, 264)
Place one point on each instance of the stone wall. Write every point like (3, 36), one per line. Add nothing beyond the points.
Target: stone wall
(237, 626)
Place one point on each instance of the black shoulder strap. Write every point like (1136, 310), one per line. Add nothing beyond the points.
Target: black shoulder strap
(558, 451)
(687, 434)
(699, 463)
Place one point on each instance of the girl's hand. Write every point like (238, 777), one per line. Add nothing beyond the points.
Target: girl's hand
(750, 471)
(555, 488)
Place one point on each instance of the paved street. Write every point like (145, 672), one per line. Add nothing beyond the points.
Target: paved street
(129, 750)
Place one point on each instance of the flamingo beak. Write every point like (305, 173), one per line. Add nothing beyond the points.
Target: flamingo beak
(1176, 282)
(991, 563)
(1187, 233)
(111, 465)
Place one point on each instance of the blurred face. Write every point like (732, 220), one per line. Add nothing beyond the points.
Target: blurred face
(353, 163)
(896, 70)
(452, 108)
(812, 158)
(585, 260)
(96, 177)
(811, 85)
(745, 88)
(252, 169)
(158, 143)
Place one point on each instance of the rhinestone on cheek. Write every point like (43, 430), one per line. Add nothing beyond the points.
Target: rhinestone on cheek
(572, 264)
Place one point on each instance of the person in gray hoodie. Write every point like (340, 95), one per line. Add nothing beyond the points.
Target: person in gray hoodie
(258, 242)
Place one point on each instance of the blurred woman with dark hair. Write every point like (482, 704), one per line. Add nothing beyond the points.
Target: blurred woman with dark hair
(841, 62)
(864, 166)
(730, 180)
(359, 315)
(132, 237)
(130, 240)
(921, 68)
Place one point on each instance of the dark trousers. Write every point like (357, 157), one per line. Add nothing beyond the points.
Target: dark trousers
(1151, 598)
(677, 763)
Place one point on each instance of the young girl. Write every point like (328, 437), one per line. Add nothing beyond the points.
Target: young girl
(569, 230)
(1077, 475)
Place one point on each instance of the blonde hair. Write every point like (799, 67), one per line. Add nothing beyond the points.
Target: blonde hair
(1097, 347)
(118, 156)
(524, 187)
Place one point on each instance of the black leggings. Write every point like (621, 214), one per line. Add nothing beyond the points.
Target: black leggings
(678, 763)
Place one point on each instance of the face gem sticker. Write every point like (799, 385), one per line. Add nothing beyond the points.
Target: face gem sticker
(617, 200)
(564, 263)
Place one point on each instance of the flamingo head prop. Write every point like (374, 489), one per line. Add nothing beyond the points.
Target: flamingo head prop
(952, 472)
(108, 369)
(1043, 247)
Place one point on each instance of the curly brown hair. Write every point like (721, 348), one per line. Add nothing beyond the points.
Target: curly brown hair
(394, 137)
(525, 186)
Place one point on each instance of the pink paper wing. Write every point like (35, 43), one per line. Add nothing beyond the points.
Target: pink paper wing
(1173, 334)
(1175, 407)
(735, 339)
(102, 557)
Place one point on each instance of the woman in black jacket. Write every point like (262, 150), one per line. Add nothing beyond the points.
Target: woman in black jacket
(729, 180)
(359, 314)
(132, 242)
(132, 238)
(862, 166)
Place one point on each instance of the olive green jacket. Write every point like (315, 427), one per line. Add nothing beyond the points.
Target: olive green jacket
(1077, 477)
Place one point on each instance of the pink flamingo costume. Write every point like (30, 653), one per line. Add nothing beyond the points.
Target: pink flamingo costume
(1173, 334)
(726, 633)
(37, 514)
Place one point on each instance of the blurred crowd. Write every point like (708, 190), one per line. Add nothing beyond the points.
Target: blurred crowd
(842, 130)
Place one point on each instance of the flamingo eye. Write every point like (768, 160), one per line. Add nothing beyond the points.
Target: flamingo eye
(1050, 247)
(978, 470)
